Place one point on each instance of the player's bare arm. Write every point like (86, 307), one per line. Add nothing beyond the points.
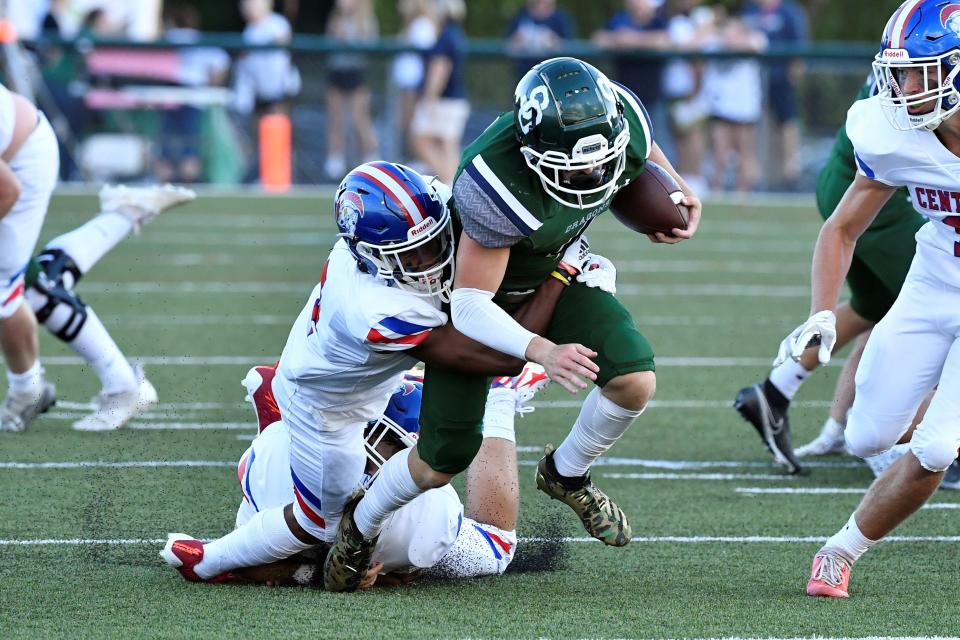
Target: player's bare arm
(838, 237)
(447, 348)
(691, 202)
(831, 262)
(481, 270)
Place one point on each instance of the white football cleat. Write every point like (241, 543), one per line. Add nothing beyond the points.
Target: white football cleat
(829, 441)
(142, 204)
(19, 410)
(532, 380)
(114, 410)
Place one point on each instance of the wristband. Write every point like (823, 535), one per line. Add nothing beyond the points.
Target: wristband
(562, 278)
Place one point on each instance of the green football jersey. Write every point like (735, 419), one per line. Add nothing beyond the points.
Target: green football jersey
(500, 201)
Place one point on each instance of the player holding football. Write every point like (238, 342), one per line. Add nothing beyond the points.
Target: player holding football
(908, 135)
(376, 309)
(434, 532)
(526, 188)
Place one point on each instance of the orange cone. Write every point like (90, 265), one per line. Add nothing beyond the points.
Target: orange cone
(275, 152)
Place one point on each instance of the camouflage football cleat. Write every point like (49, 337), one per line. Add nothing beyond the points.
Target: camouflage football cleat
(600, 515)
(349, 557)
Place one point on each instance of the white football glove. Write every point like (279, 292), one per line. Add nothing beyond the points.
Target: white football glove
(576, 254)
(819, 329)
(597, 271)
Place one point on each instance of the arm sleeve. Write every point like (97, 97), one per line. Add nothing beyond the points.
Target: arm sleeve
(476, 316)
(482, 219)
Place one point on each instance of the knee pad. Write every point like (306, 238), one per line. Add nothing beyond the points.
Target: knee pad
(50, 290)
(455, 455)
(934, 454)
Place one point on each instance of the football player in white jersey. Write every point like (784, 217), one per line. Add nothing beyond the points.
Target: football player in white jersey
(376, 310)
(434, 532)
(29, 163)
(908, 135)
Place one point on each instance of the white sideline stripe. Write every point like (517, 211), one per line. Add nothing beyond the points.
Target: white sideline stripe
(262, 240)
(570, 539)
(721, 290)
(254, 360)
(941, 505)
(697, 476)
(800, 491)
(115, 465)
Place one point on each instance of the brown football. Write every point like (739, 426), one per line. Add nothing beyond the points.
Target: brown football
(651, 202)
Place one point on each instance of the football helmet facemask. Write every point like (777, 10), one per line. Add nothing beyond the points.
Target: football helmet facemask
(398, 227)
(399, 425)
(572, 131)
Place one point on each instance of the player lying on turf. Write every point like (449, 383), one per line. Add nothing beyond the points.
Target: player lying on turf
(907, 135)
(435, 531)
(376, 310)
(50, 279)
(526, 188)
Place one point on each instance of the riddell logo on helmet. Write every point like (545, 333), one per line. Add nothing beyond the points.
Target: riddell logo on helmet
(899, 54)
(420, 228)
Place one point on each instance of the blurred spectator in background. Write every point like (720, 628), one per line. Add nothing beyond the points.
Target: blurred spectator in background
(734, 93)
(419, 31)
(348, 97)
(64, 76)
(783, 22)
(536, 32)
(265, 79)
(180, 158)
(641, 25)
(689, 27)
(441, 113)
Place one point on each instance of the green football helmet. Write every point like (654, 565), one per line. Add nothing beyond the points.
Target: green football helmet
(572, 130)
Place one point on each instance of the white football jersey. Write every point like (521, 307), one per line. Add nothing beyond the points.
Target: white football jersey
(429, 531)
(918, 160)
(346, 351)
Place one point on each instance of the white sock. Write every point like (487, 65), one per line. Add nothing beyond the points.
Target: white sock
(850, 541)
(499, 414)
(600, 424)
(788, 378)
(30, 381)
(392, 489)
(98, 349)
(91, 241)
(833, 429)
(265, 538)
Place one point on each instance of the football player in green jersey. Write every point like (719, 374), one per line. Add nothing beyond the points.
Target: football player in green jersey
(881, 260)
(526, 189)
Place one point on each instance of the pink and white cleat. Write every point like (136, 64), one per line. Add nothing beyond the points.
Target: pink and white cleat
(532, 380)
(184, 553)
(829, 576)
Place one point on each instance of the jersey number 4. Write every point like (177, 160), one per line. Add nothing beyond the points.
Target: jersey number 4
(954, 221)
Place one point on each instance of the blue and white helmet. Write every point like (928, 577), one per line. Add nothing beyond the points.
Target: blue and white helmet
(398, 227)
(921, 44)
(399, 424)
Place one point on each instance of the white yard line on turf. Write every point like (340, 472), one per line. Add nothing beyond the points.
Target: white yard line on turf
(819, 491)
(255, 360)
(163, 406)
(672, 465)
(574, 540)
(116, 465)
(715, 290)
(697, 476)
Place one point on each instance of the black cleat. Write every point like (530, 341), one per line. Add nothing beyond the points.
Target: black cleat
(773, 427)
